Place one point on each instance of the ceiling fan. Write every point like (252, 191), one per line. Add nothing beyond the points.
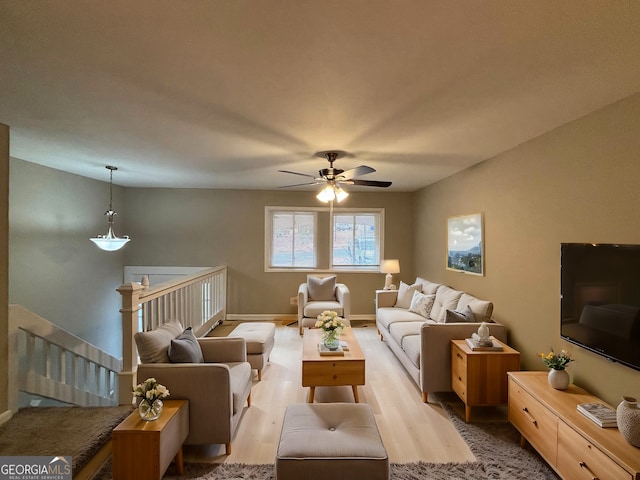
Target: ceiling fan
(333, 178)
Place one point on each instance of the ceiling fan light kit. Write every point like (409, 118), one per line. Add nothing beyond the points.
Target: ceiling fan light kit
(333, 178)
(110, 242)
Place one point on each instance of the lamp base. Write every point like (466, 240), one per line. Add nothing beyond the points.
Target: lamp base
(387, 282)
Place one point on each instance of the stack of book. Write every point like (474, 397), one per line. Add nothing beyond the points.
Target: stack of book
(477, 345)
(600, 414)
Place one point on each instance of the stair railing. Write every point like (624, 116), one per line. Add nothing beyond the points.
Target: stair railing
(46, 360)
(198, 301)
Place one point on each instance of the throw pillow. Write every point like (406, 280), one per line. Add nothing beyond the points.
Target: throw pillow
(421, 304)
(322, 289)
(466, 315)
(405, 294)
(185, 348)
(154, 344)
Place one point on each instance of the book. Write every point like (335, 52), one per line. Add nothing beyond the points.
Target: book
(344, 345)
(325, 351)
(479, 347)
(602, 415)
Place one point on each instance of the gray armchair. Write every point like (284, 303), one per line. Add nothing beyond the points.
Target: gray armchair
(216, 389)
(319, 294)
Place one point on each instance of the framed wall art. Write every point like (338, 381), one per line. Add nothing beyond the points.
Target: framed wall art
(465, 244)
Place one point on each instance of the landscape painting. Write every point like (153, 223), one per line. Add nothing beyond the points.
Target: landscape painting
(465, 251)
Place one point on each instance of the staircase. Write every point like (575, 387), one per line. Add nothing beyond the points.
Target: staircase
(48, 361)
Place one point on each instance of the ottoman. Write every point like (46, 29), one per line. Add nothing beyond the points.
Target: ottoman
(321, 441)
(259, 338)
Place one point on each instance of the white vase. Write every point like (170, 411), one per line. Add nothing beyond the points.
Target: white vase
(558, 379)
(483, 331)
(628, 418)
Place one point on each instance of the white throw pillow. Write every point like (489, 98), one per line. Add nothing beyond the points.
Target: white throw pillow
(421, 304)
(405, 294)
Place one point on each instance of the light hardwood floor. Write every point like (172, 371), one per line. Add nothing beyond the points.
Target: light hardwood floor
(411, 430)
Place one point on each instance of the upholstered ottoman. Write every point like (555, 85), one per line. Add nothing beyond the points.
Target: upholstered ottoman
(321, 441)
(259, 338)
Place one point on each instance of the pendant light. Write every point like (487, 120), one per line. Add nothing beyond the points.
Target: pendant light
(110, 242)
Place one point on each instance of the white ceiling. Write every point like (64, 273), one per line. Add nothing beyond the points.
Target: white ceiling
(223, 93)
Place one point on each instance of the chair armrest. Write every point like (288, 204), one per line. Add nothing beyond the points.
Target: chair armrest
(343, 296)
(386, 298)
(223, 349)
(303, 298)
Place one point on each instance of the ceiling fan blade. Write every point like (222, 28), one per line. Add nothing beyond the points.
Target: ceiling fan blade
(297, 173)
(368, 183)
(357, 172)
(302, 184)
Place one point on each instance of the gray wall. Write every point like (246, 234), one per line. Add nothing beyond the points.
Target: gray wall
(578, 183)
(226, 227)
(54, 270)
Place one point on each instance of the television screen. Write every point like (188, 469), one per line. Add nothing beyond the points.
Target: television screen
(600, 299)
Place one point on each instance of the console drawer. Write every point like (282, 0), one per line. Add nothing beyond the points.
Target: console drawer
(581, 460)
(537, 424)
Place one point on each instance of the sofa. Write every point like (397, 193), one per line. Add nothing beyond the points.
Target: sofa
(211, 372)
(419, 321)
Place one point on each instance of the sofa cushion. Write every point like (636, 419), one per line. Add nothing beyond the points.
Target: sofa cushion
(154, 344)
(464, 316)
(386, 316)
(446, 299)
(399, 330)
(322, 289)
(313, 309)
(411, 346)
(421, 304)
(185, 348)
(483, 309)
(428, 287)
(405, 294)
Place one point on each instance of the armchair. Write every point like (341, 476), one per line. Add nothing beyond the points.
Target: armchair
(319, 294)
(216, 389)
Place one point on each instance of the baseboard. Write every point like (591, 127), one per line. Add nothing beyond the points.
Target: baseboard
(274, 317)
(5, 416)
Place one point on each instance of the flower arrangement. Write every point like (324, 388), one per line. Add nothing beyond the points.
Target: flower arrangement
(329, 321)
(150, 390)
(557, 361)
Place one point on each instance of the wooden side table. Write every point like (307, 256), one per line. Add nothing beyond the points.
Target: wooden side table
(480, 377)
(143, 450)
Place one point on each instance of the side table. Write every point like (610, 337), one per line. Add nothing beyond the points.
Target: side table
(143, 450)
(480, 377)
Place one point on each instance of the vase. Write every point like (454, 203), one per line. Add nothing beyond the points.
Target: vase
(558, 379)
(330, 338)
(150, 411)
(628, 418)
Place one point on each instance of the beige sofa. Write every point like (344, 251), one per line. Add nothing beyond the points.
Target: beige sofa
(423, 344)
(217, 382)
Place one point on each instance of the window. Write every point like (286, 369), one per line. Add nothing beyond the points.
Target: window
(323, 239)
(356, 239)
(292, 239)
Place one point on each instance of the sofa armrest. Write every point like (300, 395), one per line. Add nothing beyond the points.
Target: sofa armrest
(343, 296)
(435, 351)
(207, 386)
(223, 349)
(386, 298)
(303, 298)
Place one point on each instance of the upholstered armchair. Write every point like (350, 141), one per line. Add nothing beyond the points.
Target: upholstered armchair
(216, 379)
(319, 294)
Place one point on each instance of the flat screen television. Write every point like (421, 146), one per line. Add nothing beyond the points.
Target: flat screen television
(600, 299)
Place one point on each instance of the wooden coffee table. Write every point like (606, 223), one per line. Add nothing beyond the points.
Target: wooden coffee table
(329, 370)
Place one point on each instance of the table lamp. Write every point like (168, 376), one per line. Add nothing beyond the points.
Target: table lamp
(389, 267)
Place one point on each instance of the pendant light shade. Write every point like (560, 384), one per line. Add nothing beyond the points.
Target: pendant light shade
(110, 242)
(331, 192)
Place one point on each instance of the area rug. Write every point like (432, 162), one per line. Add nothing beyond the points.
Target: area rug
(60, 431)
(494, 444)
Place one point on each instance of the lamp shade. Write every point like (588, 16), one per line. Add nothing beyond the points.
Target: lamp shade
(390, 266)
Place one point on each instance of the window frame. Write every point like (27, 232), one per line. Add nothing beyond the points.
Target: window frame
(270, 211)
